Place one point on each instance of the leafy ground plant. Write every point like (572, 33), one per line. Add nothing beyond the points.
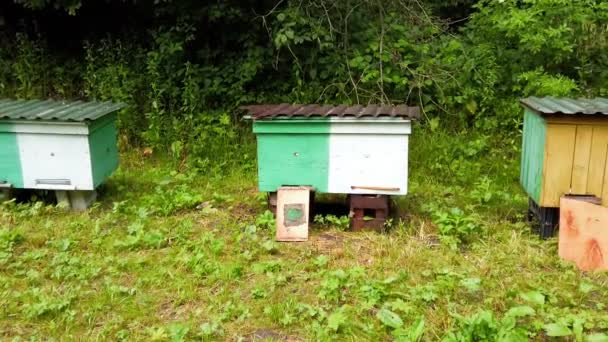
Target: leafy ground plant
(170, 253)
(455, 227)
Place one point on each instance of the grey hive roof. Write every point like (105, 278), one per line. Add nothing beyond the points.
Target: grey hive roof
(52, 110)
(259, 112)
(555, 105)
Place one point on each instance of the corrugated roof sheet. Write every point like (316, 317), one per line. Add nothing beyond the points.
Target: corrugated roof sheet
(259, 112)
(56, 110)
(554, 105)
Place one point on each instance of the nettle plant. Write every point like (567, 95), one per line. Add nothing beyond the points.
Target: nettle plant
(455, 227)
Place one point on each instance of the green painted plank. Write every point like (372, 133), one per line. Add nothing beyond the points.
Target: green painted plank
(300, 158)
(10, 164)
(312, 125)
(6, 127)
(104, 152)
(533, 154)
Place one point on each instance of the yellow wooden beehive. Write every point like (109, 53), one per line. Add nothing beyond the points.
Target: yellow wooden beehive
(565, 149)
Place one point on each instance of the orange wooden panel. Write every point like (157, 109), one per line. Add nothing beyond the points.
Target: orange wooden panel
(583, 234)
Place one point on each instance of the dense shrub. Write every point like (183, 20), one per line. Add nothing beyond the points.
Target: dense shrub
(183, 67)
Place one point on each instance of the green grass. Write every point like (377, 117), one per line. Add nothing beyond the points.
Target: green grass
(182, 255)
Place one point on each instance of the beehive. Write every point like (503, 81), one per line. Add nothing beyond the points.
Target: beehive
(56, 145)
(333, 149)
(565, 149)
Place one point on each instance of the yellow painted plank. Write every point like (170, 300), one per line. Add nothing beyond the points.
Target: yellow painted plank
(597, 162)
(559, 156)
(599, 120)
(605, 190)
(580, 167)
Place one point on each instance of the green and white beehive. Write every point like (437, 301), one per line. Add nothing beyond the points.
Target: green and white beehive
(55, 145)
(333, 149)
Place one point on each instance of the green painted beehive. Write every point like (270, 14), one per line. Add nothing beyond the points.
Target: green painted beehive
(56, 145)
(333, 149)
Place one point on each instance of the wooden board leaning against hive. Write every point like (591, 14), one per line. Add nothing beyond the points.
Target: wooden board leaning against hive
(564, 152)
(358, 150)
(66, 147)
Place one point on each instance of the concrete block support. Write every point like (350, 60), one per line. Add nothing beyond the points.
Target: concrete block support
(76, 200)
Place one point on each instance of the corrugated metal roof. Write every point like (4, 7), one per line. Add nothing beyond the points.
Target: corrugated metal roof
(56, 110)
(554, 105)
(259, 112)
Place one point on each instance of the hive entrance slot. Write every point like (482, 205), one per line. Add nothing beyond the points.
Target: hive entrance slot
(369, 213)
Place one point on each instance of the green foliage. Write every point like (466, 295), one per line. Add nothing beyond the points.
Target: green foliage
(179, 250)
(71, 6)
(389, 318)
(455, 227)
(173, 194)
(412, 334)
(483, 326)
(181, 85)
(8, 240)
(172, 269)
(341, 223)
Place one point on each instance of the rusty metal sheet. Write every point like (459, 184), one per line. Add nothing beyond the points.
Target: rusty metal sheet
(260, 112)
(555, 105)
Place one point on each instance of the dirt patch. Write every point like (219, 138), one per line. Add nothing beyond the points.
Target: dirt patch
(329, 237)
(327, 243)
(167, 311)
(243, 210)
(270, 335)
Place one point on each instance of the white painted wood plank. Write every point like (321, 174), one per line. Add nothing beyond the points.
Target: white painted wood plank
(346, 126)
(368, 161)
(55, 162)
(69, 128)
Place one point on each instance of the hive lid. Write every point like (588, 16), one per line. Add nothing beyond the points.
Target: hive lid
(260, 112)
(53, 110)
(556, 105)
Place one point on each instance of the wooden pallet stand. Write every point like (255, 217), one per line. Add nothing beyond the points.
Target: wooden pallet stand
(368, 212)
(545, 219)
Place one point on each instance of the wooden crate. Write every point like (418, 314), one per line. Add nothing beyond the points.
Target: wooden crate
(293, 208)
(583, 237)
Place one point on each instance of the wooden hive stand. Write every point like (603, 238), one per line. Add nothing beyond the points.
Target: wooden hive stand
(368, 212)
(545, 219)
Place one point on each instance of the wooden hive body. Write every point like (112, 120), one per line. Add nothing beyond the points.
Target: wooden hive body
(564, 155)
(334, 155)
(52, 155)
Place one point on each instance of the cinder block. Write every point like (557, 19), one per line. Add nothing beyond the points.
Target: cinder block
(368, 212)
(76, 200)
